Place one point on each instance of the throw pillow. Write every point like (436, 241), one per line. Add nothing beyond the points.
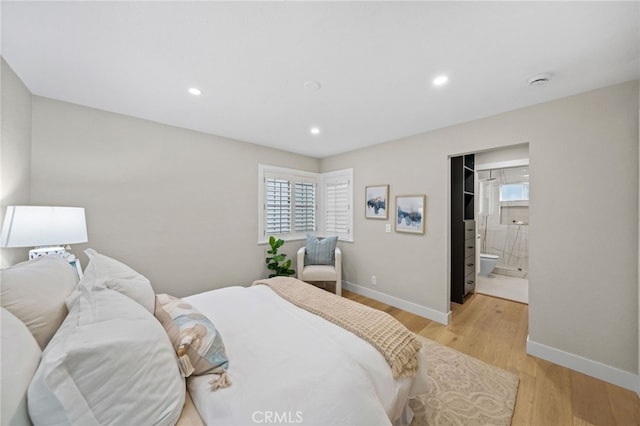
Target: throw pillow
(193, 335)
(103, 271)
(35, 291)
(109, 363)
(320, 251)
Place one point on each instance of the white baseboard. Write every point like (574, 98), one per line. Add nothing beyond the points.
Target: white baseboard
(587, 366)
(423, 311)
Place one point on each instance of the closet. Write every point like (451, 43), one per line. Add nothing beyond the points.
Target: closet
(463, 227)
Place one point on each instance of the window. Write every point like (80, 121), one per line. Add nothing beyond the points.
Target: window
(514, 204)
(289, 204)
(514, 192)
(278, 205)
(305, 207)
(292, 205)
(338, 196)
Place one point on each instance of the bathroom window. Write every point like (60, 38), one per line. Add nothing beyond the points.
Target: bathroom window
(514, 192)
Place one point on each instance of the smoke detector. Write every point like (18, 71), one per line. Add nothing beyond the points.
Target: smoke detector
(312, 85)
(539, 80)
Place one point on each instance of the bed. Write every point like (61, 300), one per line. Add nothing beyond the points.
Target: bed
(109, 361)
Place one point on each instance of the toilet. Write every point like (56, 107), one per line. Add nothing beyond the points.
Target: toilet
(487, 263)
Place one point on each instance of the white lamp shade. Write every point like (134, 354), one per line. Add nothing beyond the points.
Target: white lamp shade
(34, 226)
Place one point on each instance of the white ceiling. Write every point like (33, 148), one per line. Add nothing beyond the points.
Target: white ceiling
(374, 60)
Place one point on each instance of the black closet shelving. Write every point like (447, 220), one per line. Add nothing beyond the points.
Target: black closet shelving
(463, 227)
(469, 180)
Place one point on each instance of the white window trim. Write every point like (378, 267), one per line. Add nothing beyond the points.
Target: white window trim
(319, 179)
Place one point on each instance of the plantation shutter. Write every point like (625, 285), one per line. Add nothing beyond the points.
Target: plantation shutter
(293, 203)
(337, 207)
(277, 206)
(305, 207)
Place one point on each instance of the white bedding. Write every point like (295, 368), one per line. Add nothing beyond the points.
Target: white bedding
(289, 366)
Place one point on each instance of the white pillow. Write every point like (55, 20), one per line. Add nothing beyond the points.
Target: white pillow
(35, 291)
(110, 362)
(110, 273)
(20, 358)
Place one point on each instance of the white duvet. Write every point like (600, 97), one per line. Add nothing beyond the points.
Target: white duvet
(289, 366)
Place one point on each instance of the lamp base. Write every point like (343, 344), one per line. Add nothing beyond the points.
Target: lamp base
(60, 251)
(44, 251)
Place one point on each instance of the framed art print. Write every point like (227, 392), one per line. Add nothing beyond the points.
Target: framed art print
(410, 213)
(376, 198)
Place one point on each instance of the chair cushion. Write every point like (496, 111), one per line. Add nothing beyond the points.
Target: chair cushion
(319, 273)
(35, 292)
(320, 251)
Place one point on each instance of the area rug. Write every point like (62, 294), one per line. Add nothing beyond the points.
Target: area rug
(463, 391)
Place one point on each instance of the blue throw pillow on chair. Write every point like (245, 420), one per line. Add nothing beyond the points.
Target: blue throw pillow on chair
(320, 251)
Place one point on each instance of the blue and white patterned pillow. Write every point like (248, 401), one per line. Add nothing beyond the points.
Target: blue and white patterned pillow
(186, 326)
(320, 251)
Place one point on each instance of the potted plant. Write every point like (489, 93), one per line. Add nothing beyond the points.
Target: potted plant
(278, 262)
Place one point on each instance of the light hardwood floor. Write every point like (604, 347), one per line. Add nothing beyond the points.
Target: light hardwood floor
(495, 331)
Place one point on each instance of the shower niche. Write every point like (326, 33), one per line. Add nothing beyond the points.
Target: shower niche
(514, 215)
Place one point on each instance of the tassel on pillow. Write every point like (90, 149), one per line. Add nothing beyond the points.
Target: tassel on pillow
(198, 344)
(185, 363)
(220, 382)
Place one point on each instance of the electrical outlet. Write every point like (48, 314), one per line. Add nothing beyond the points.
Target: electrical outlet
(373, 280)
(387, 227)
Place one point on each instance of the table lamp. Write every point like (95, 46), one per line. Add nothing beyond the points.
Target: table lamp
(46, 228)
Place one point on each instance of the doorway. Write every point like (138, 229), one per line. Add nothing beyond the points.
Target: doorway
(502, 218)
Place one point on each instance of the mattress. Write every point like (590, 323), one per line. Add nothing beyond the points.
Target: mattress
(290, 366)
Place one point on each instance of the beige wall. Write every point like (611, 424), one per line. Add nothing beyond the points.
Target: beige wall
(583, 154)
(15, 152)
(177, 205)
(502, 155)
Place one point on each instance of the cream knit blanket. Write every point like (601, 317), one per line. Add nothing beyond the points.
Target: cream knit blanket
(393, 340)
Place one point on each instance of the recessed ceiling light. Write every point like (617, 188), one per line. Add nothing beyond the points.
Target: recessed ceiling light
(440, 80)
(194, 91)
(315, 131)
